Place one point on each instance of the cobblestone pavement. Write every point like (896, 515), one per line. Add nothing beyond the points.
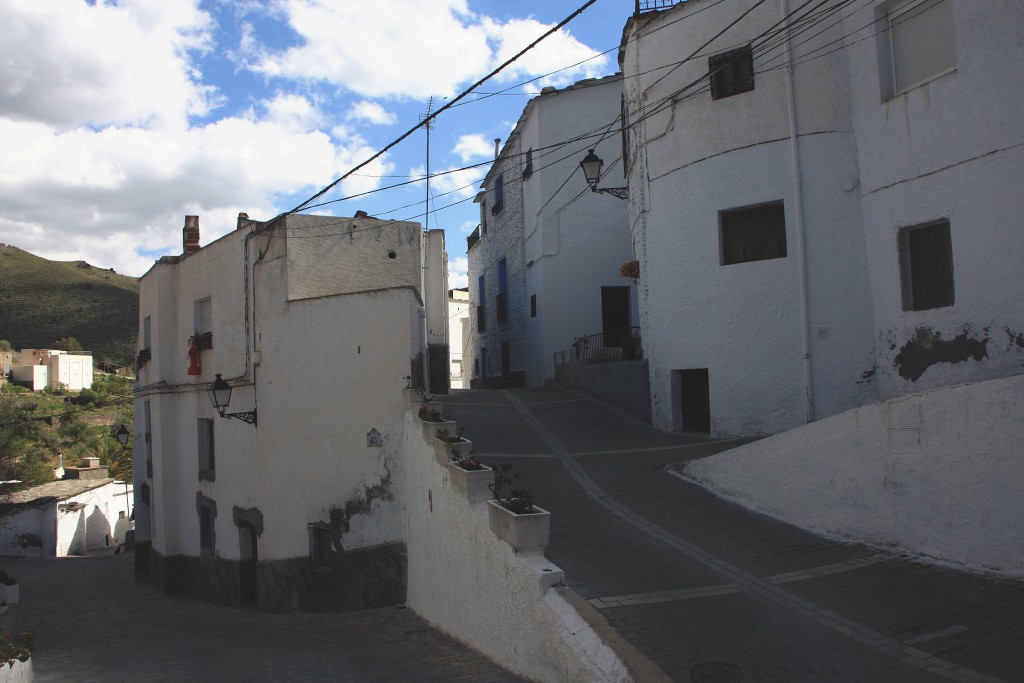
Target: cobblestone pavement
(93, 621)
(712, 592)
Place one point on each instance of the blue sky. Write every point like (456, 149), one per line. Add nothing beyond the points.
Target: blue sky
(119, 118)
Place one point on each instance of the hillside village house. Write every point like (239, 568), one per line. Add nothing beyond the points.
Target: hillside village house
(84, 512)
(42, 368)
(544, 263)
(283, 497)
(823, 229)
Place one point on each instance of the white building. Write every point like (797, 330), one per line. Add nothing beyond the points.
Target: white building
(458, 333)
(49, 367)
(544, 263)
(318, 323)
(823, 228)
(69, 517)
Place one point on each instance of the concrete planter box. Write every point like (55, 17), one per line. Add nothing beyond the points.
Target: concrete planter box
(443, 449)
(430, 428)
(474, 483)
(10, 595)
(17, 672)
(522, 532)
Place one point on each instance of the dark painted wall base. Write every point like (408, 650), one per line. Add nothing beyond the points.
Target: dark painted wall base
(366, 578)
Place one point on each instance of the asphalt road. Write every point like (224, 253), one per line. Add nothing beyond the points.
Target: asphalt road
(710, 591)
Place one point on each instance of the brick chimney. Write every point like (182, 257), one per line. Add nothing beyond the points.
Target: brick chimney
(190, 234)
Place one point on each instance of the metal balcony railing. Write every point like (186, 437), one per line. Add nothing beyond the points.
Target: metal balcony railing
(605, 347)
(654, 5)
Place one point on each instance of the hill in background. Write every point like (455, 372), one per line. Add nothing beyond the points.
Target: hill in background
(42, 301)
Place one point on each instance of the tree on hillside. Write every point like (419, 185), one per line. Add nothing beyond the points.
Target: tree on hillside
(17, 429)
(69, 344)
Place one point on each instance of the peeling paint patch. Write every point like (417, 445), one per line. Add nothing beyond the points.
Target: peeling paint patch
(1015, 337)
(928, 348)
(362, 505)
(867, 377)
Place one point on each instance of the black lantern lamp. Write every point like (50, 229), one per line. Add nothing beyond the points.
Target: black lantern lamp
(591, 166)
(220, 396)
(122, 436)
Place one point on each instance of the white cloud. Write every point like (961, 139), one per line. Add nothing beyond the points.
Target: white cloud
(458, 272)
(415, 48)
(66, 62)
(473, 146)
(294, 112)
(371, 112)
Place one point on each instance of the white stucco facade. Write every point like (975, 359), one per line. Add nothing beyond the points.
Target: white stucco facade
(69, 517)
(784, 339)
(318, 324)
(458, 336)
(560, 249)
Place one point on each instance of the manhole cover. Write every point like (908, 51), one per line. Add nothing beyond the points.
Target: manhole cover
(716, 672)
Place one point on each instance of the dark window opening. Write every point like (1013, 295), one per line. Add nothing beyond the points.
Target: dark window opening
(320, 546)
(755, 233)
(207, 454)
(732, 72)
(205, 528)
(926, 266)
(499, 194)
(533, 306)
(528, 170)
(501, 300)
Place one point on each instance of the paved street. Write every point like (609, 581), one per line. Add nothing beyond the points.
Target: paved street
(94, 622)
(712, 592)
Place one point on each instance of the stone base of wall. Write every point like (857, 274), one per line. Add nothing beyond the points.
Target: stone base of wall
(516, 380)
(623, 384)
(366, 578)
(142, 551)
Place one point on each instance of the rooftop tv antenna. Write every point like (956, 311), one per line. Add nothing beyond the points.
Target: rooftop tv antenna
(428, 123)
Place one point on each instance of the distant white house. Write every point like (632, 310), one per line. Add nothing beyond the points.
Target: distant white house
(42, 368)
(285, 498)
(458, 334)
(68, 517)
(544, 263)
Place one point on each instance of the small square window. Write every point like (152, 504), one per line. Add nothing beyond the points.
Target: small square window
(320, 547)
(921, 45)
(926, 266)
(731, 72)
(753, 233)
(528, 169)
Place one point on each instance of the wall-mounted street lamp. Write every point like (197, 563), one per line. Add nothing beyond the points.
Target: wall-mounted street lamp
(122, 436)
(591, 166)
(220, 396)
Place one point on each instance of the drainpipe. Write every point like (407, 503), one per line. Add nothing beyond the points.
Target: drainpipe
(798, 223)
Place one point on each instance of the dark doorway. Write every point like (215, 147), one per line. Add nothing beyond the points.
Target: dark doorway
(695, 400)
(615, 316)
(248, 557)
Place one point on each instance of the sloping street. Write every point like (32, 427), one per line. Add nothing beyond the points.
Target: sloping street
(712, 592)
(94, 622)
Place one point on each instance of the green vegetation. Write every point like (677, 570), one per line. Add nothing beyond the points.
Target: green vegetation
(35, 428)
(43, 303)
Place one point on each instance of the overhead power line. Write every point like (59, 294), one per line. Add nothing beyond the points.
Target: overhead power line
(459, 97)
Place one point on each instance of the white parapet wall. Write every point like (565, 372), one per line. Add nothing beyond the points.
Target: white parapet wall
(939, 474)
(467, 582)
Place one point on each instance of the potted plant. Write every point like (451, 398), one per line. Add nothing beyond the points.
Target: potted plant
(17, 656)
(631, 269)
(471, 477)
(514, 518)
(433, 419)
(450, 447)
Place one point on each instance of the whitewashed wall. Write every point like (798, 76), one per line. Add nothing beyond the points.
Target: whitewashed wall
(40, 521)
(952, 148)
(329, 366)
(573, 245)
(466, 581)
(939, 474)
(743, 322)
(458, 335)
(91, 527)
